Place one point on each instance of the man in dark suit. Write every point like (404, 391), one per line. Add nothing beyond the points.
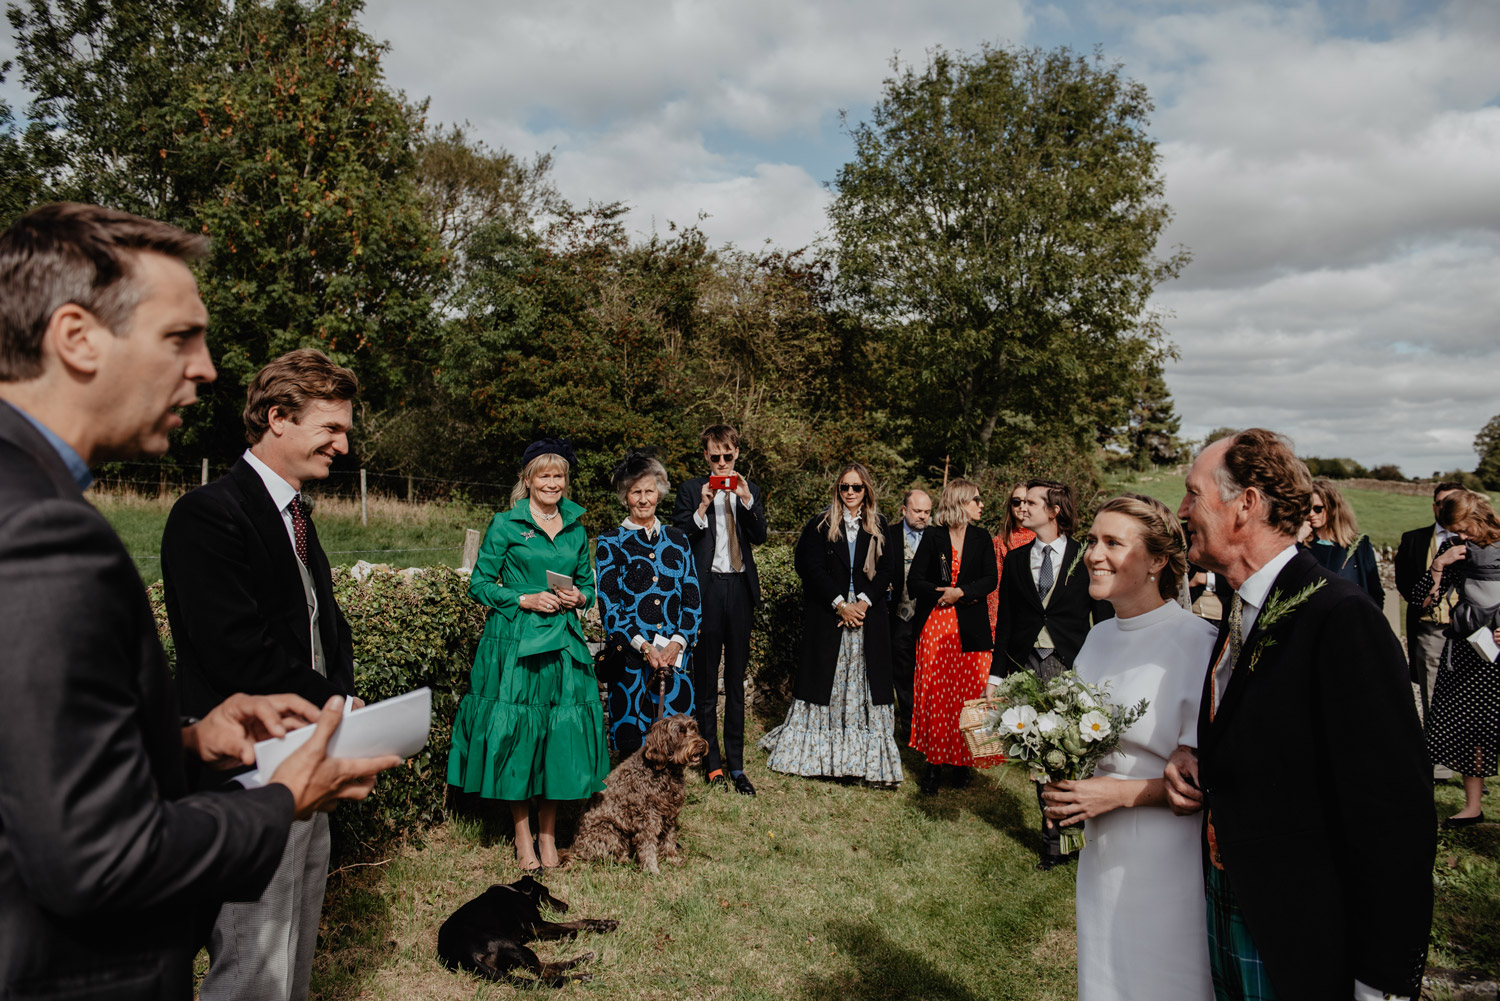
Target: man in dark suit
(1045, 611)
(1317, 856)
(723, 526)
(904, 537)
(249, 596)
(1424, 626)
(111, 868)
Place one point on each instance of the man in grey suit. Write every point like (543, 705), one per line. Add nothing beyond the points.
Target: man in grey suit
(111, 869)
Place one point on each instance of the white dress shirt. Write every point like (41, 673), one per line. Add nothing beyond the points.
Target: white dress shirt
(721, 537)
(281, 493)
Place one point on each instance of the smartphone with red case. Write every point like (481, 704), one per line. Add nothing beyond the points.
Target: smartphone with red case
(730, 482)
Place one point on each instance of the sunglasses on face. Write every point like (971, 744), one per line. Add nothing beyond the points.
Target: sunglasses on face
(1017, 501)
(1317, 509)
(726, 457)
(851, 488)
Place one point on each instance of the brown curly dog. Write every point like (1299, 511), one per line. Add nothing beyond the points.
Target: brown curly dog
(643, 796)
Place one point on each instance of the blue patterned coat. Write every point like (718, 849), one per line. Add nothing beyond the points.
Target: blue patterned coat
(646, 587)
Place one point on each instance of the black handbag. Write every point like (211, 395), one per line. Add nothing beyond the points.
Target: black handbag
(612, 661)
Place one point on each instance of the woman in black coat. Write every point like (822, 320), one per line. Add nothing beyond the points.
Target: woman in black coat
(951, 574)
(842, 722)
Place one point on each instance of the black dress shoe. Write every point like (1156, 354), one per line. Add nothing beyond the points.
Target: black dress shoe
(742, 785)
(717, 782)
(1053, 861)
(931, 779)
(1453, 822)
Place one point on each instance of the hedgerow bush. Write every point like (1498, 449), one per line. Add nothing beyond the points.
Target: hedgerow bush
(414, 629)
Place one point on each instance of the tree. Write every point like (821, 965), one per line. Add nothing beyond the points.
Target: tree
(1487, 444)
(1389, 471)
(266, 125)
(1001, 215)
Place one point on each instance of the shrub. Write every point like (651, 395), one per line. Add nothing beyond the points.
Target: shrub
(415, 629)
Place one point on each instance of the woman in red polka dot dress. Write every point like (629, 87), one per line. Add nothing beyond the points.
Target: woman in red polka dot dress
(951, 576)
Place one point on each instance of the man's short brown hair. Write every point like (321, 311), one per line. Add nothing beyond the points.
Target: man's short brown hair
(720, 432)
(288, 383)
(81, 254)
(1264, 460)
(1444, 487)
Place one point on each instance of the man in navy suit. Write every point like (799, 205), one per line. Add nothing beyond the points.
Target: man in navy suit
(723, 527)
(1424, 625)
(1317, 859)
(249, 596)
(111, 867)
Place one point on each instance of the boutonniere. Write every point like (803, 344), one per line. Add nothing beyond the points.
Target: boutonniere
(1076, 560)
(1278, 607)
(528, 535)
(1349, 553)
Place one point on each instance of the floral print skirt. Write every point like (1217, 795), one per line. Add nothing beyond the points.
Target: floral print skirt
(849, 737)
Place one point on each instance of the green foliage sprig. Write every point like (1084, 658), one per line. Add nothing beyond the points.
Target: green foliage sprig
(1278, 608)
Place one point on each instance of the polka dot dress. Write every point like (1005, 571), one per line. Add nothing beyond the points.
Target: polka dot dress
(1463, 725)
(946, 678)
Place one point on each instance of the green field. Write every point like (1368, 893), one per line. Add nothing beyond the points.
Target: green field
(398, 533)
(1382, 516)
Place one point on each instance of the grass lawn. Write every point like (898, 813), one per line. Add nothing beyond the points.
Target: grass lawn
(1381, 515)
(425, 534)
(813, 891)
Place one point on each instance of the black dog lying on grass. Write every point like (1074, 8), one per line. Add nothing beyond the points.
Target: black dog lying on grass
(485, 935)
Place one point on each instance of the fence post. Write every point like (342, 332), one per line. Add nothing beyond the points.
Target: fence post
(408, 488)
(471, 549)
(205, 470)
(364, 511)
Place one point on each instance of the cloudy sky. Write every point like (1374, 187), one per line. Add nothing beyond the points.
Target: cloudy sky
(1334, 168)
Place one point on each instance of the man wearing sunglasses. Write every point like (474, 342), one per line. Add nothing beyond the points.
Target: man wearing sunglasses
(724, 519)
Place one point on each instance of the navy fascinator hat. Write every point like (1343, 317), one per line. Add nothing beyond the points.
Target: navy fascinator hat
(553, 446)
(633, 467)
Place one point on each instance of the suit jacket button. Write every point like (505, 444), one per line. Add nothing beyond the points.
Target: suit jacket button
(658, 601)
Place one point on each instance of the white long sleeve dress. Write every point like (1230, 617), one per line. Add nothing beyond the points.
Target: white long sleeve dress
(1141, 929)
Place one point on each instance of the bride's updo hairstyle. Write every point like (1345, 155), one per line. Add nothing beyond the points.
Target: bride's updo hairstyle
(1160, 532)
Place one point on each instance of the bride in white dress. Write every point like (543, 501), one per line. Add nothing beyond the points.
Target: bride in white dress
(1141, 929)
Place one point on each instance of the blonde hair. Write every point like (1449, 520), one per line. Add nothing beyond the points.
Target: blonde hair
(545, 463)
(950, 510)
(1340, 527)
(1161, 534)
(869, 515)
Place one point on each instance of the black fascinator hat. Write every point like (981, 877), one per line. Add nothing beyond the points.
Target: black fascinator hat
(553, 446)
(632, 468)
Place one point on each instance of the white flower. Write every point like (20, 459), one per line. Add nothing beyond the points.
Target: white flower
(1048, 722)
(1018, 719)
(1085, 700)
(1093, 726)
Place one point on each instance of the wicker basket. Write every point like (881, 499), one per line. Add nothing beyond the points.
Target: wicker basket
(970, 718)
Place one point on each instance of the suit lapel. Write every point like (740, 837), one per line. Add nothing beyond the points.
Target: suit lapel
(1292, 578)
(267, 523)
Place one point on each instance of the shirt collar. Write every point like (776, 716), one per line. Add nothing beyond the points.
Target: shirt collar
(1258, 584)
(280, 490)
(77, 468)
(911, 533)
(1440, 533)
(1058, 545)
(632, 526)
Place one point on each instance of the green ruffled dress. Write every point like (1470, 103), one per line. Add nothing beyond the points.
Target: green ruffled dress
(532, 723)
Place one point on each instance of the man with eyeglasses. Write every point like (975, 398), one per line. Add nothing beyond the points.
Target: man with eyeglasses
(724, 519)
(903, 537)
(1424, 626)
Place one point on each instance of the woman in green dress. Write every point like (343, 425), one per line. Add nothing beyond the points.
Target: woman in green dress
(532, 725)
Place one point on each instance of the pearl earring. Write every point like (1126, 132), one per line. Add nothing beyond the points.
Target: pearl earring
(1151, 576)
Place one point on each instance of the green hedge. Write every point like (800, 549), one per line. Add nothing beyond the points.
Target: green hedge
(415, 629)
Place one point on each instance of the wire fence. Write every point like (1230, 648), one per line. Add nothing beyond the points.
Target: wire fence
(173, 480)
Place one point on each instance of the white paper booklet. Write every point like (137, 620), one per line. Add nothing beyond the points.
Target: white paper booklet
(396, 726)
(1483, 642)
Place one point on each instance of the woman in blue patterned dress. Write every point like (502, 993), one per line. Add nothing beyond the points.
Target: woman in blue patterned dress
(648, 589)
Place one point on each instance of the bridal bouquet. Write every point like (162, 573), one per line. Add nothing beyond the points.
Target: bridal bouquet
(1059, 729)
